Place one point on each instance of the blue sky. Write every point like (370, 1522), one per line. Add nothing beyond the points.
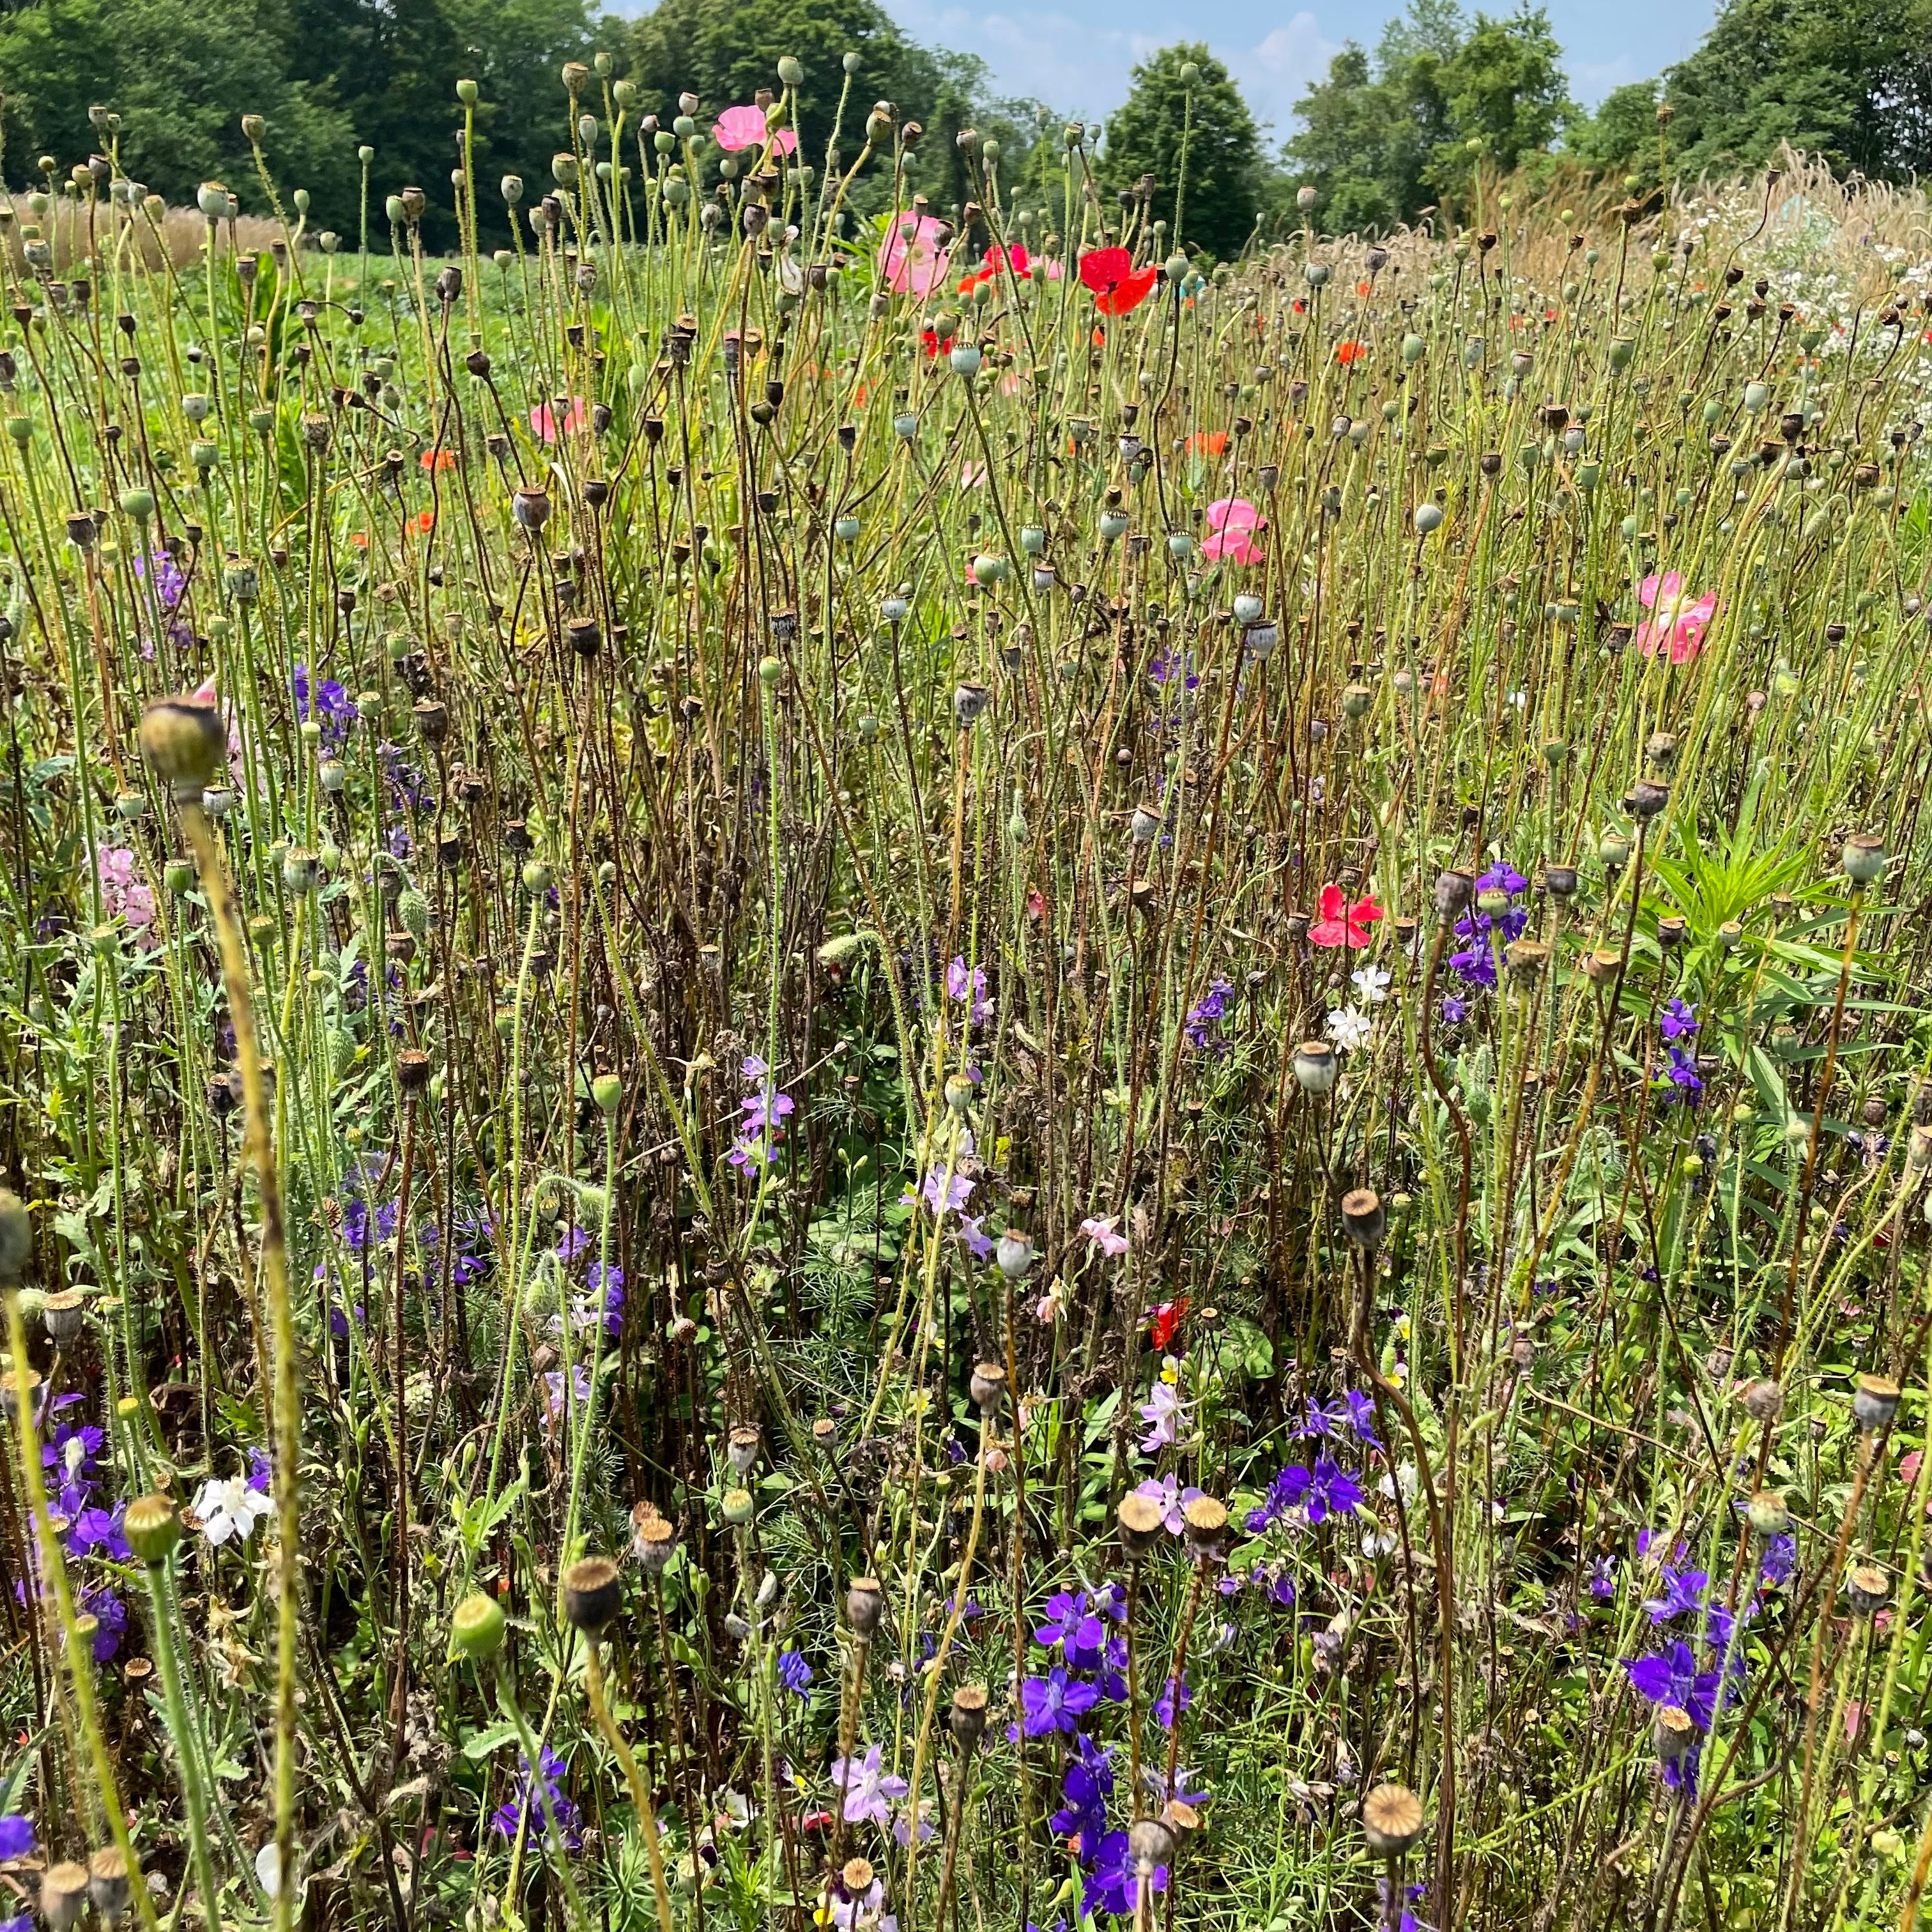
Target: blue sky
(1076, 54)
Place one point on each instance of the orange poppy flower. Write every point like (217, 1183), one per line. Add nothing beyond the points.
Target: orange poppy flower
(1346, 352)
(438, 459)
(1208, 442)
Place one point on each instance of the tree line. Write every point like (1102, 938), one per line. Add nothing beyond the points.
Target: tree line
(359, 100)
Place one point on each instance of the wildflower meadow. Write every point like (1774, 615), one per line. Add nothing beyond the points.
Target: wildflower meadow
(921, 1069)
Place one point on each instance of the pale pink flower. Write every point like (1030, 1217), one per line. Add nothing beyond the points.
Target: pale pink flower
(1232, 524)
(544, 423)
(740, 127)
(124, 894)
(1678, 621)
(912, 261)
(1103, 1234)
(971, 473)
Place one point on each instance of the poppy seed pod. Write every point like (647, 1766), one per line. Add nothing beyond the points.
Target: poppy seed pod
(107, 1882)
(478, 1627)
(593, 1592)
(1364, 1218)
(1144, 826)
(1874, 1402)
(1150, 1844)
(987, 1384)
(1206, 1520)
(737, 1507)
(1316, 1066)
(741, 1448)
(1648, 798)
(65, 1315)
(1768, 1515)
(1672, 1732)
(1864, 859)
(1867, 1588)
(654, 1539)
(966, 1719)
(1764, 1401)
(1600, 965)
(1453, 892)
(531, 508)
(63, 1894)
(865, 1605)
(1391, 1820)
(1140, 1520)
(1014, 1253)
(969, 700)
(412, 1070)
(855, 1877)
(153, 1529)
(1561, 881)
(183, 739)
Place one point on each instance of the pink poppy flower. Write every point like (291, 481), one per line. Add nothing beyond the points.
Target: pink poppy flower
(544, 422)
(912, 260)
(1233, 523)
(1678, 622)
(740, 127)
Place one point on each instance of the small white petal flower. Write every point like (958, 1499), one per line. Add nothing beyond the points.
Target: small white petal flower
(1371, 984)
(1350, 1028)
(230, 1507)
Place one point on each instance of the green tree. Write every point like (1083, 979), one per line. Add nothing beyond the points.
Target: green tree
(1197, 140)
(724, 52)
(392, 66)
(180, 73)
(1849, 80)
(1383, 137)
(1621, 137)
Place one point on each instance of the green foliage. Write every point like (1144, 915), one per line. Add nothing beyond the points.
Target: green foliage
(392, 65)
(1621, 136)
(327, 75)
(1197, 142)
(1849, 80)
(724, 53)
(181, 73)
(1387, 136)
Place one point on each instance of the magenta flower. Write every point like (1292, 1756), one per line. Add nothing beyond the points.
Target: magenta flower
(912, 261)
(1233, 523)
(1678, 621)
(740, 127)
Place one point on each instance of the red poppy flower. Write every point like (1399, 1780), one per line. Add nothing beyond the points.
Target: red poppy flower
(1346, 352)
(934, 348)
(1118, 287)
(1164, 1320)
(438, 459)
(1341, 924)
(1208, 442)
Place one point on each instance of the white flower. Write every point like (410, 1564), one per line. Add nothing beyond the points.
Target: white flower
(1350, 1028)
(230, 1508)
(1372, 983)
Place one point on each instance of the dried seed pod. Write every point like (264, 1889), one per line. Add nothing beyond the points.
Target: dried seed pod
(593, 1592)
(865, 1605)
(1391, 1820)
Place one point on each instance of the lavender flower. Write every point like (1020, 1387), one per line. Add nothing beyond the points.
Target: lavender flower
(869, 1791)
(508, 1816)
(1055, 1703)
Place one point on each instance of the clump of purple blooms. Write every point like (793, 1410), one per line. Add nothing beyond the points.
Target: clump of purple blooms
(1482, 933)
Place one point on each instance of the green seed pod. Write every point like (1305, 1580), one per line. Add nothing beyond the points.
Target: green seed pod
(153, 1527)
(478, 1627)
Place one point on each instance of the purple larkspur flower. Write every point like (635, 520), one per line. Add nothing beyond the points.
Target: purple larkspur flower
(870, 1792)
(1055, 1703)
